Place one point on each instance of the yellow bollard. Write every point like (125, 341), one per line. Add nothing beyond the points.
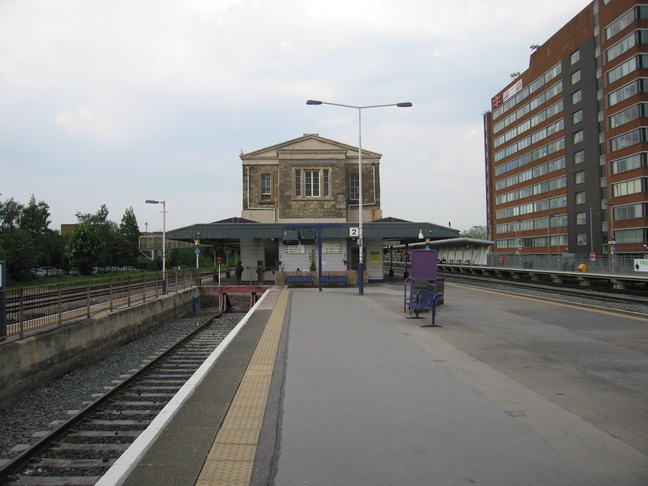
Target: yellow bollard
(582, 267)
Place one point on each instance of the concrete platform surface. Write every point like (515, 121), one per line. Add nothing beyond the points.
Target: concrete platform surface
(512, 390)
(372, 398)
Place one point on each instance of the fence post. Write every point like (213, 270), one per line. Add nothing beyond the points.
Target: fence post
(21, 313)
(88, 299)
(59, 303)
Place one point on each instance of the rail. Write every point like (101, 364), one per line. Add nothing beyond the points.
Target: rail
(41, 307)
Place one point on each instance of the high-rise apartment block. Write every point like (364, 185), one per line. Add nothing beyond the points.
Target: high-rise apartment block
(567, 140)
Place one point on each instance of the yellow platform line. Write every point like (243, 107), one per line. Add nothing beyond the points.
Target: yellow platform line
(231, 458)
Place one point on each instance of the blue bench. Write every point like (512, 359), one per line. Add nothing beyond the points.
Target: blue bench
(335, 279)
(425, 300)
(300, 279)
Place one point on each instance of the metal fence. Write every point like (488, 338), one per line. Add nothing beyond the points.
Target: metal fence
(619, 264)
(41, 307)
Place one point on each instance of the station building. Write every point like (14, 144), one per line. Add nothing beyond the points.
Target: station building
(566, 142)
(300, 212)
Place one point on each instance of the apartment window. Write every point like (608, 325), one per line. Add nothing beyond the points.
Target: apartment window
(628, 91)
(627, 139)
(634, 186)
(354, 183)
(580, 198)
(577, 96)
(629, 212)
(574, 57)
(625, 116)
(579, 157)
(575, 77)
(578, 136)
(581, 238)
(266, 186)
(632, 162)
(577, 117)
(579, 177)
(581, 218)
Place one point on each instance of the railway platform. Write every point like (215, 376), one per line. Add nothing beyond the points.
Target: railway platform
(333, 388)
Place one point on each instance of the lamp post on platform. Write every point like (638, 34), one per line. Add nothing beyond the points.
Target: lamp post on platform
(406, 104)
(163, 203)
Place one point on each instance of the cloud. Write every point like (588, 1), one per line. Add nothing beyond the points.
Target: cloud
(120, 101)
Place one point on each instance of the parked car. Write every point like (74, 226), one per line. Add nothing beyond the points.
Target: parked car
(46, 272)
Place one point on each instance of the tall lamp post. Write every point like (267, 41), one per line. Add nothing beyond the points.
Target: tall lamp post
(406, 104)
(163, 203)
(611, 240)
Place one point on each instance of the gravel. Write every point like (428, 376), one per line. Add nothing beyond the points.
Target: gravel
(73, 391)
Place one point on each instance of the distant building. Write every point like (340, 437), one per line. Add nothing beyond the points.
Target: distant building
(567, 140)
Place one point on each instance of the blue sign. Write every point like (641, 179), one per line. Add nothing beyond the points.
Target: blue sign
(197, 250)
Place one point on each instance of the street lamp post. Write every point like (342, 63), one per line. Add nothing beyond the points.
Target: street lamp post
(611, 240)
(163, 203)
(360, 200)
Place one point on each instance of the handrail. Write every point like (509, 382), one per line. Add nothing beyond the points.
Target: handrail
(41, 307)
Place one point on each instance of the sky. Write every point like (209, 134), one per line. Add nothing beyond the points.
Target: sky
(116, 102)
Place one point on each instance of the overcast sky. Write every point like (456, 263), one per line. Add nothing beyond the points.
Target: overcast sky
(115, 102)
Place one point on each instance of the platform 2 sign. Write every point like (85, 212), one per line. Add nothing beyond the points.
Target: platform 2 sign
(641, 265)
(3, 301)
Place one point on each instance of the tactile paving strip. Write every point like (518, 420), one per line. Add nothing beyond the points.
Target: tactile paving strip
(231, 458)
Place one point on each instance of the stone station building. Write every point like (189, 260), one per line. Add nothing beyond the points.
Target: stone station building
(300, 213)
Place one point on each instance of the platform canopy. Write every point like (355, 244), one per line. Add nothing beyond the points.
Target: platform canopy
(232, 230)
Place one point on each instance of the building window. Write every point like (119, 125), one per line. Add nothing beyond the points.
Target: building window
(580, 198)
(577, 96)
(575, 77)
(297, 182)
(631, 211)
(578, 136)
(579, 177)
(574, 57)
(312, 183)
(577, 117)
(581, 238)
(581, 218)
(632, 162)
(354, 183)
(266, 186)
(634, 186)
(625, 116)
(325, 183)
(627, 139)
(579, 157)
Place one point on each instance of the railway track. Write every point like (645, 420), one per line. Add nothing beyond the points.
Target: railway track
(604, 297)
(81, 449)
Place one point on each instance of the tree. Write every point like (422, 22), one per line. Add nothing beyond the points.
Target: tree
(105, 230)
(20, 253)
(35, 217)
(476, 232)
(84, 247)
(10, 213)
(129, 234)
(49, 245)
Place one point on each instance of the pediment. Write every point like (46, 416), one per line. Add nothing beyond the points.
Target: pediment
(308, 144)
